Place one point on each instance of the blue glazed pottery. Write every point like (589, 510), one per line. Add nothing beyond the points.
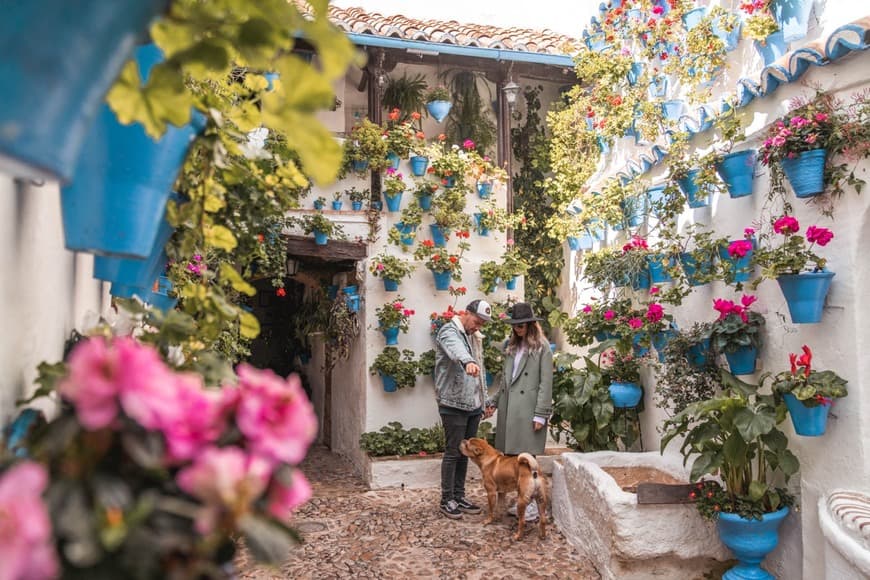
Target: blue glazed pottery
(637, 345)
(641, 280)
(695, 196)
(391, 334)
(805, 294)
(634, 73)
(737, 170)
(336, 205)
(742, 360)
(350, 290)
(442, 279)
(660, 341)
(634, 209)
(389, 383)
(750, 540)
(480, 229)
(58, 59)
(425, 202)
(806, 172)
(511, 284)
(625, 395)
(793, 18)
(773, 48)
(407, 237)
(419, 165)
(807, 421)
(438, 235)
(394, 202)
(390, 285)
(449, 182)
(352, 302)
(574, 243)
(658, 266)
(439, 109)
(318, 204)
(698, 353)
(320, 238)
(695, 270)
(672, 109)
(484, 189)
(356, 205)
(394, 160)
(655, 195)
(123, 179)
(739, 268)
(360, 165)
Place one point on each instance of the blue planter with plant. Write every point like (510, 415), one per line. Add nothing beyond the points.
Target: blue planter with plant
(793, 17)
(391, 334)
(693, 17)
(697, 273)
(806, 172)
(394, 202)
(698, 353)
(393, 160)
(134, 272)
(634, 73)
(59, 60)
(773, 47)
(352, 302)
(320, 238)
(336, 205)
(512, 283)
(318, 203)
(158, 298)
(437, 235)
(739, 267)
(480, 229)
(116, 203)
(425, 202)
(658, 268)
(419, 165)
(574, 243)
(439, 109)
(694, 194)
(442, 279)
(641, 280)
(390, 285)
(742, 360)
(377, 205)
(389, 383)
(750, 540)
(660, 341)
(737, 170)
(672, 110)
(625, 395)
(805, 295)
(634, 209)
(807, 421)
(449, 182)
(655, 196)
(407, 233)
(356, 205)
(484, 189)
(360, 165)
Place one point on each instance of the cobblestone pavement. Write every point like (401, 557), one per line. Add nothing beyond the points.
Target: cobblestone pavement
(351, 532)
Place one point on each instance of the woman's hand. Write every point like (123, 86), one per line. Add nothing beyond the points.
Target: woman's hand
(537, 426)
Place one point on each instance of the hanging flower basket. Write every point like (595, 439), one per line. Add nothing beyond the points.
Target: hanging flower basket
(394, 202)
(742, 360)
(425, 202)
(625, 395)
(59, 61)
(806, 172)
(407, 231)
(439, 109)
(658, 268)
(807, 421)
(737, 170)
(124, 178)
(419, 165)
(805, 295)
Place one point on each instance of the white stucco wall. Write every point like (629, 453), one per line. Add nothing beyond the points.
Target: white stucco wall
(839, 459)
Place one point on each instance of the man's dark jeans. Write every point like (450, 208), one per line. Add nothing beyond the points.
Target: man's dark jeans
(457, 427)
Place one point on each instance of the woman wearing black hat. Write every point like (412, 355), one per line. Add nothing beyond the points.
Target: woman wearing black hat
(525, 399)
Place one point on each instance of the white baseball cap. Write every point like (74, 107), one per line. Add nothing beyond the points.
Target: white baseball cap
(481, 309)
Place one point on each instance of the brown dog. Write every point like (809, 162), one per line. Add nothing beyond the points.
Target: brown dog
(502, 474)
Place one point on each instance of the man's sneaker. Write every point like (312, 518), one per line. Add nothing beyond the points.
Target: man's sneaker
(467, 507)
(451, 509)
(532, 514)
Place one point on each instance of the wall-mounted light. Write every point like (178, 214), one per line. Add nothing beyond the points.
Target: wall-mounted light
(511, 90)
(292, 266)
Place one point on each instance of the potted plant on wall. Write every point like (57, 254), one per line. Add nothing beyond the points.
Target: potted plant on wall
(438, 102)
(407, 94)
(366, 147)
(597, 320)
(394, 187)
(449, 164)
(399, 137)
(736, 333)
(357, 197)
(391, 269)
(424, 192)
(393, 318)
(404, 231)
(490, 276)
(801, 273)
(444, 265)
(513, 265)
(808, 393)
(622, 370)
(397, 370)
(322, 228)
(735, 436)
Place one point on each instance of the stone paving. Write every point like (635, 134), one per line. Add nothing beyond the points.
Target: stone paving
(351, 532)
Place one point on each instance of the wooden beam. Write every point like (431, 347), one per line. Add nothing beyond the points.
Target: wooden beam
(333, 251)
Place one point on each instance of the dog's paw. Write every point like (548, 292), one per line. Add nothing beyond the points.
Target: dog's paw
(488, 521)
(517, 537)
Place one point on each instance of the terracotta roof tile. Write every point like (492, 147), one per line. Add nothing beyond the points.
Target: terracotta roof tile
(356, 20)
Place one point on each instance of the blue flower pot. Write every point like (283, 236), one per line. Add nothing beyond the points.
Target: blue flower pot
(318, 204)
(696, 271)
(730, 39)
(438, 235)
(449, 182)
(672, 109)
(158, 298)
(332, 291)
(658, 87)
(425, 202)
(641, 281)
(320, 238)
(574, 243)
(602, 336)
(59, 60)
(377, 205)
(603, 146)
(489, 379)
(419, 165)
(625, 395)
(739, 268)
(271, 77)
(116, 202)
(390, 285)
(389, 383)
(750, 540)
(356, 205)
(806, 172)
(807, 421)
(793, 18)
(658, 269)
(637, 345)
(737, 170)
(442, 280)
(352, 302)
(350, 291)
(805, 295)
(587, 242)
(698, 353)
(512, 283)
(394, 202)
(693, 17)
(394, 160)
(439, 109)
(742, 360)
(634, 209)
(773, 48)
(634, 73)
(480, 229)
(360, 165)
(660, 341)
(695, 196)
(391, 334)
(407, 237)
(484, 189)
(336, 205)
(655, 196)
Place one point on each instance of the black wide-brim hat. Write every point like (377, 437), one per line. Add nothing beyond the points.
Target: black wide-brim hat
(520, 313)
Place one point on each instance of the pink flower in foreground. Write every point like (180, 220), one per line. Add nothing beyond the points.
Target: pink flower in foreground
(26, 546)
(200, 419)
(654, 312)
(739, 248)
(609, 314)
(820, 236)
(786, 225)
(288, 492)
(275, 415)
(635, 323)
(225, 479)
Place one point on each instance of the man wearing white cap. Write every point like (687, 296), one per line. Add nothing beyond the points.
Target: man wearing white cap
(460, 388)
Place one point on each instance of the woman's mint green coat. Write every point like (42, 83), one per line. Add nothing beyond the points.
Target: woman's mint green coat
(521, 399)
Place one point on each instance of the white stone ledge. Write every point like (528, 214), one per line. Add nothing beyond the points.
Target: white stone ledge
(845, 521)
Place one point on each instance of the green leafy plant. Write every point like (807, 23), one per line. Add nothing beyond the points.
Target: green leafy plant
(340, 332)
(809, 386)
(390, 267)
(402, 367)
(393, 314)
(513, 263)
(440, 259)
(366, 143)
(470, 117)
(394, 182)
(355, 194)
(399, 137)
(405, 93)
(448, 210)
(317, 222)
(449, 161)
(734, 435)
(426, 363)
(795, 253)
(490, 276)
(437, 93)
(393, 439)
(619, 366)
(684, 379)
(497, 219)
(425, 187)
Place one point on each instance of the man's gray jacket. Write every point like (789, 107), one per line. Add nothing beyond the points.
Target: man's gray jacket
(453, 351)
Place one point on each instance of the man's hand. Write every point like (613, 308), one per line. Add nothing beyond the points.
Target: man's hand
(537, 426)
(472, 369)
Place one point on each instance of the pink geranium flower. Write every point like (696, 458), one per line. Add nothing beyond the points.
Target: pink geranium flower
(288, 491)
(786, 225)
(654, 312)
(635, 323)
(739, 248)
(26, 545)
(609, 314)
(275, 415)
(200, 420)
(820, 236)
(587, 309)
(226, 479)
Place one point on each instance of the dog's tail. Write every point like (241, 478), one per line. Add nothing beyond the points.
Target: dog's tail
(529, 460)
